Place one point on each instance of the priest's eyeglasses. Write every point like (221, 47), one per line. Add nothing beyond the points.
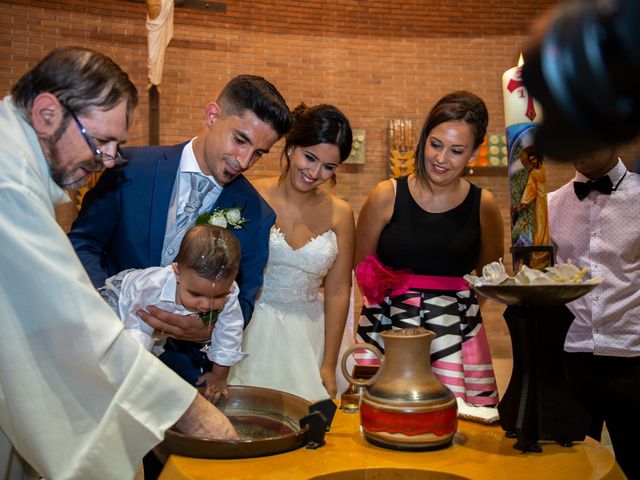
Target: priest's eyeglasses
(98, 154)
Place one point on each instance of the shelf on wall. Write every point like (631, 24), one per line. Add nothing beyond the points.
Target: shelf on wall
(487, 172)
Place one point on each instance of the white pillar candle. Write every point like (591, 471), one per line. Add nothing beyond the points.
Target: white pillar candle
(527, 185)
(519, 106)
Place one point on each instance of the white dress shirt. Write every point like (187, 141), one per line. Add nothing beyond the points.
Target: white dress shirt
(602, 232)
(79, 398)
(157, 286)
(180, 195)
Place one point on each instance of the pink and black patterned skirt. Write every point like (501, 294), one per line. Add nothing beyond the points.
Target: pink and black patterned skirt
(460, 355)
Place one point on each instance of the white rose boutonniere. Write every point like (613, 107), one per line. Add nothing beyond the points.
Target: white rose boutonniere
(218, 220)
(234, 217)
(224, 217)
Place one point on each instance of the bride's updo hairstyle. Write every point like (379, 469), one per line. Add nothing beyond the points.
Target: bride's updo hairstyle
(460, 105)
(314, 125)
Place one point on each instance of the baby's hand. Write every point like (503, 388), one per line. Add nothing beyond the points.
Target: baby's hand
(216, 388)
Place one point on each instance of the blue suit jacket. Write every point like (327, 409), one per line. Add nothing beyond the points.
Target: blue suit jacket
(123, 219)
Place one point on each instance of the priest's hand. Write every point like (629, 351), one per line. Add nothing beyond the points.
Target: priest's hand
(202, 419)
(181, 327)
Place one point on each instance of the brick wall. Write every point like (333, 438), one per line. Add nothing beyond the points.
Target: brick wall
(376, 60)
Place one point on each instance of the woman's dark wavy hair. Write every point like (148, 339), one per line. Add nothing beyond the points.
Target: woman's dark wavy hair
(258, 95)
(458, 105)
(212, 252)
(80, 78)
(315, 125)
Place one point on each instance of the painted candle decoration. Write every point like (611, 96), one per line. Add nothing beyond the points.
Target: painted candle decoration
(527, 184)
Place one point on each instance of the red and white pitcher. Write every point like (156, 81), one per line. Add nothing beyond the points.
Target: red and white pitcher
(404, 405)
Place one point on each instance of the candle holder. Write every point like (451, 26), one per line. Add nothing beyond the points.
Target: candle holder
(538, 404)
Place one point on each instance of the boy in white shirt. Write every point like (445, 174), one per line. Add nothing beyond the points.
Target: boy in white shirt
(201, 281)
(593, 221)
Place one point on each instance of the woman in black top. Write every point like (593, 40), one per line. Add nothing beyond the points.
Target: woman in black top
(418, 235)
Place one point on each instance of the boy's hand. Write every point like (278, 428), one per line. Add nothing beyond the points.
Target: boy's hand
(216, 383)
(216, 387)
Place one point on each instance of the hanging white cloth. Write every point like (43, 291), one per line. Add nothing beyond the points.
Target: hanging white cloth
(160, 32)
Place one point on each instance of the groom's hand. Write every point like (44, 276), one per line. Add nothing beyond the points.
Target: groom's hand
(181, 327)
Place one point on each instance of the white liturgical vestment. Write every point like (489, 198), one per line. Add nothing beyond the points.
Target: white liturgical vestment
(79, 398)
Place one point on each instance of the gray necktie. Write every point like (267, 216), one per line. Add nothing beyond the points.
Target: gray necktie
(200, 187)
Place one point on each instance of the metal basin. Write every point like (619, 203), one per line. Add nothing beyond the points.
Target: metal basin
(267, 422)
(389, 474)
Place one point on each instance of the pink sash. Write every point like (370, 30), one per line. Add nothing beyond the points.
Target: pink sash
(377, 281)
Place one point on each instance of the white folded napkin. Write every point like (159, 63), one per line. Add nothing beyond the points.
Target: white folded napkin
(486, 415)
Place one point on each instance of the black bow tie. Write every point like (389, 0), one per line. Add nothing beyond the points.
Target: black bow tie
(603, 185)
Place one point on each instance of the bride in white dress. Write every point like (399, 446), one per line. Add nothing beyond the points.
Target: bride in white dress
(294, 336)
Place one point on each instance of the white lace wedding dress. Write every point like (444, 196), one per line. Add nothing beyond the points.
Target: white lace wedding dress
(285, 338)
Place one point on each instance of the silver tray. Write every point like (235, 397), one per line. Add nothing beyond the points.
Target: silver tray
(535, 295)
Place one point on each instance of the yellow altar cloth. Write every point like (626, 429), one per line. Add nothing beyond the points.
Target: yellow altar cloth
(478, 452)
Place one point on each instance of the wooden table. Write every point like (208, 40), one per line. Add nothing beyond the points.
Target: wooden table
(478, 452)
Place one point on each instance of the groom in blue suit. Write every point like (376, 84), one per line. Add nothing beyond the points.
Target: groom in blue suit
(128, 218)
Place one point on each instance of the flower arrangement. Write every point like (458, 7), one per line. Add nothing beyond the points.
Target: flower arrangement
(494, 273)
(224, 217)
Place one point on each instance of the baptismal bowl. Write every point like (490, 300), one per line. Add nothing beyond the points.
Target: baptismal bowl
(267, 422)
(535, 295)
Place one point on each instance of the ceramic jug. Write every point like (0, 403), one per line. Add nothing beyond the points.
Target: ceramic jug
(404, 405)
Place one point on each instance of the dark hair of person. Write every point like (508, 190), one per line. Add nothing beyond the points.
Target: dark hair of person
(256, 94)
(212, 252)
(459, 105)
(315, 125)
(80, 78)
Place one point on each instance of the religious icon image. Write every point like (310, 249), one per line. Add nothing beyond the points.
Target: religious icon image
(528, 192)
